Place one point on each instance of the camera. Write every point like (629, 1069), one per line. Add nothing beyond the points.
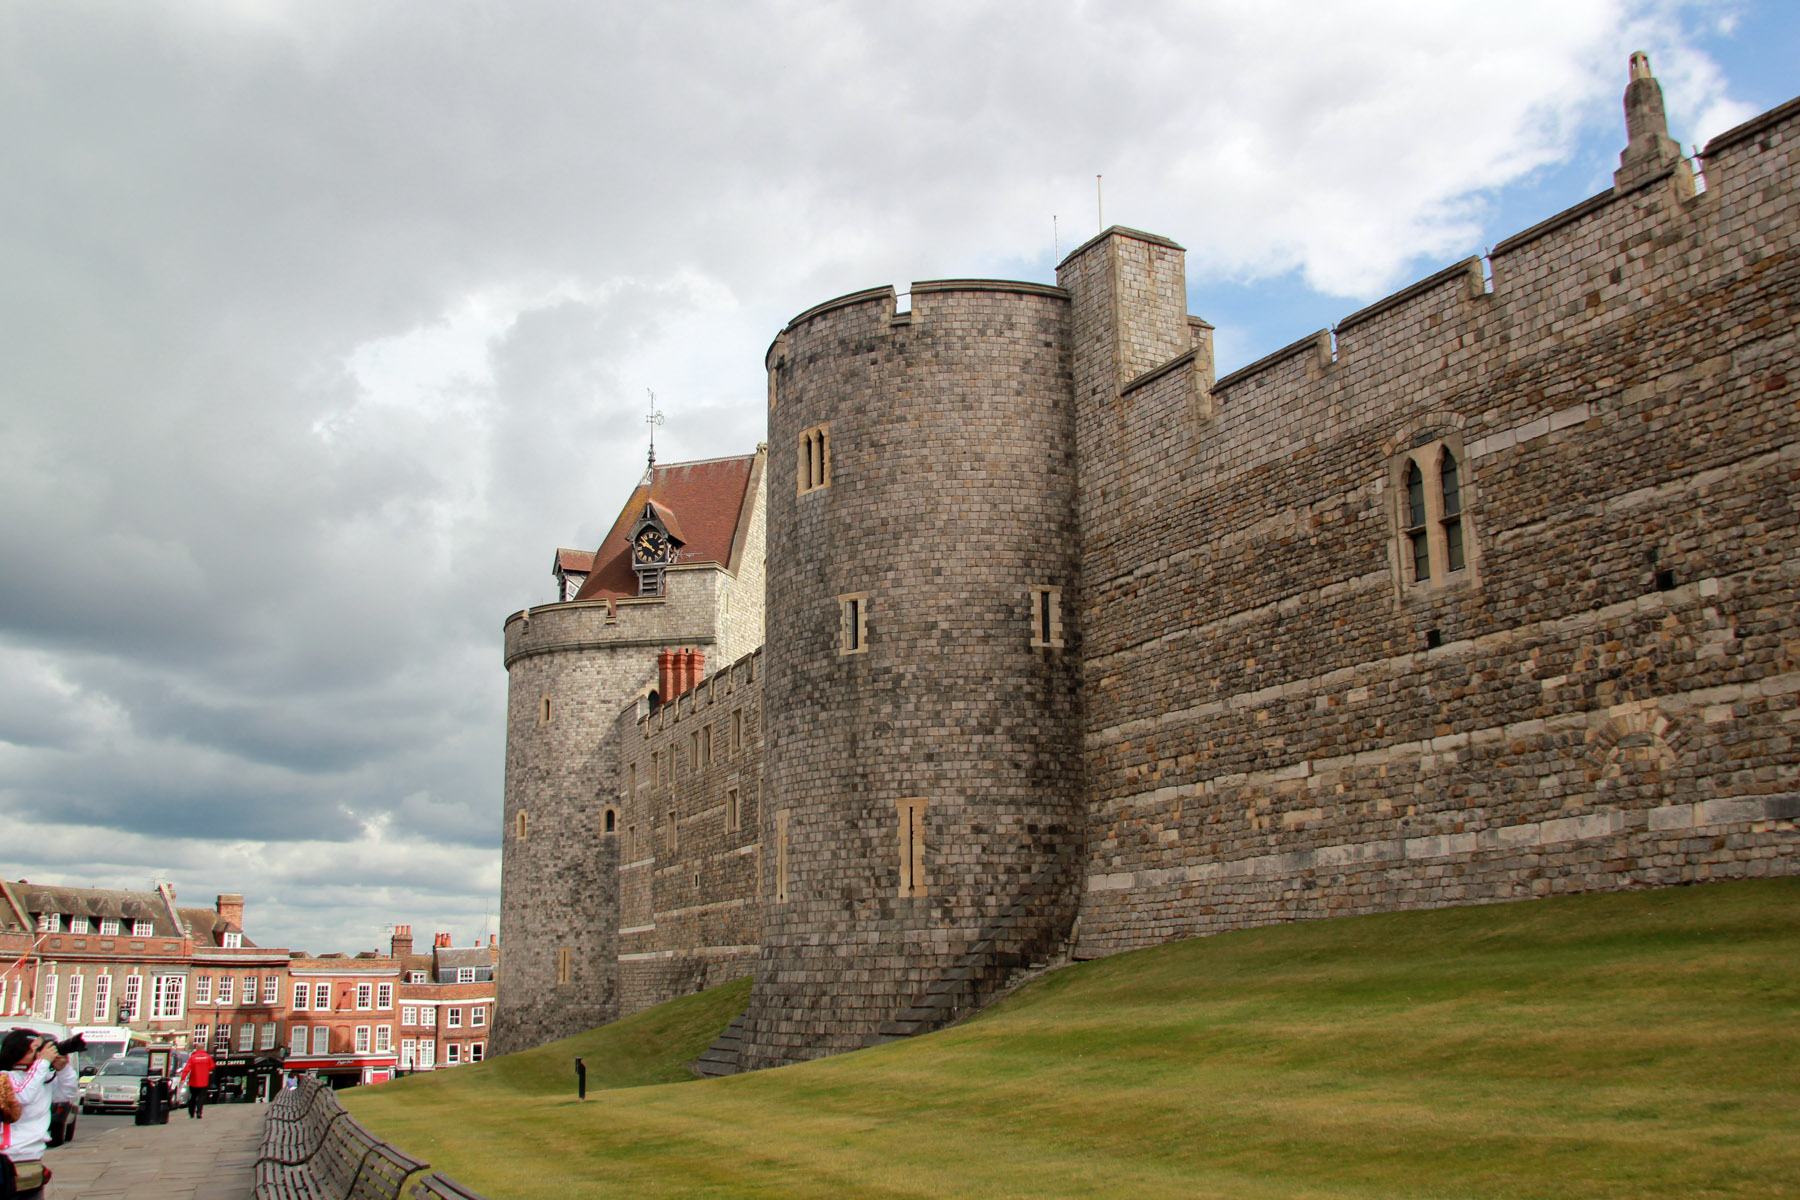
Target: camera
(70, 1045)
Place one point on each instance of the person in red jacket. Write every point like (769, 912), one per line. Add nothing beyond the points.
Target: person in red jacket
(198, 1073)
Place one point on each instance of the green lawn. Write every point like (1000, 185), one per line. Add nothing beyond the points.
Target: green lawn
(1631, 1045)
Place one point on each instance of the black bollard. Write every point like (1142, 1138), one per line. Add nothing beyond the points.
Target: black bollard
(580, 1080)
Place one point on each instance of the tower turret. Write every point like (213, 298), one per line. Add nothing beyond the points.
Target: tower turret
(1650, 150)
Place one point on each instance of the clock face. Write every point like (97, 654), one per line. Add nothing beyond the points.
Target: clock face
(650, 546)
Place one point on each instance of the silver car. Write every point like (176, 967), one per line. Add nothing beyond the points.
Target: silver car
(116, 1086)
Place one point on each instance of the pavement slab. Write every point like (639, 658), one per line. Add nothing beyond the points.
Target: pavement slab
(213, 1158)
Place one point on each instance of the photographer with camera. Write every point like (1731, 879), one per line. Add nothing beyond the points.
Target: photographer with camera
(34, 1065)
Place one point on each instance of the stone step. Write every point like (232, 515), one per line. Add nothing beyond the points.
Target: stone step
(722, 1057)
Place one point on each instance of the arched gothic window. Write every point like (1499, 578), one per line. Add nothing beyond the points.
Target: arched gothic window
(1432, 515)
(1417, 533)
(1453, 530)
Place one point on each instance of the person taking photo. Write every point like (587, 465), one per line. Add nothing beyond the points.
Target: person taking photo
(32, 1064)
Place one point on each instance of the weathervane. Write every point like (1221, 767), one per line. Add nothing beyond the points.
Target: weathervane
(653, 418)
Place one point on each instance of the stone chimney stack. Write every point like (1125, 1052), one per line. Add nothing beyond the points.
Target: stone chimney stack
(1650, 150)
(231, 910)
(401, 944)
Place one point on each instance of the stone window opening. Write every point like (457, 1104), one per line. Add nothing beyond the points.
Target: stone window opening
(706, 745)
(912, 846)
(563, 970)
(522, 824)
(781, 856)
(1431, 506)
(853, 625)
(814, 465)
(544, 713)
(674, 833)
(1046, 617)
(733, 814)
(737, 730)
(609, 821)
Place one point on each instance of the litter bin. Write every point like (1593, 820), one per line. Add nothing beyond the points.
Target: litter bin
(153, 1102)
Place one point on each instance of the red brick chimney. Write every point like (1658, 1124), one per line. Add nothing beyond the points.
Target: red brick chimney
(401, 945)
(666, 684)
(693, 666)
(231, 911)
(443, 940)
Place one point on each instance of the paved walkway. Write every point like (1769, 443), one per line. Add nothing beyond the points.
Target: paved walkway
(213, 1158)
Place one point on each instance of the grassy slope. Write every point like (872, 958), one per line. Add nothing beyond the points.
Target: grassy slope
(1642, 1044)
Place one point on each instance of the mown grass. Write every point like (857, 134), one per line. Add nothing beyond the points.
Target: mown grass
(1631, 1045)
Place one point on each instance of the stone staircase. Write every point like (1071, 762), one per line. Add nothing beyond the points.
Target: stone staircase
(959, 992)
(721, 1058)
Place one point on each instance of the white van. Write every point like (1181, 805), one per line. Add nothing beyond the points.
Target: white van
(105, 1043)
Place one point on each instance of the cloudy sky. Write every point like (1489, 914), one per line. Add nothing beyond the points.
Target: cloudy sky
(323, 322)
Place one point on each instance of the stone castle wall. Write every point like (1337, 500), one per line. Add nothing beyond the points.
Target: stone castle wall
(1283, 724)
(950, 494)
(1254, 709)
(690, 914)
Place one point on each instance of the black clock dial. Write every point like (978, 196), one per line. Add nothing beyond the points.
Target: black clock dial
(650, 546)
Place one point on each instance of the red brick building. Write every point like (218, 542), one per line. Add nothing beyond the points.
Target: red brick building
(98, 956)
(362, 1019)
(446, 1002)
(341, 1018)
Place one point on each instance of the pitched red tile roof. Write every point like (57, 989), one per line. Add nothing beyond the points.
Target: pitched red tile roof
(706, 501)
(574, 561)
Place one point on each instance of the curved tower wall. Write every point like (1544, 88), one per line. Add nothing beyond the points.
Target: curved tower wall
(951, 493)
(559, 894)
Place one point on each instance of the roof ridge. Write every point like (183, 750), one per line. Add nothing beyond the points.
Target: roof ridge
(700, 462)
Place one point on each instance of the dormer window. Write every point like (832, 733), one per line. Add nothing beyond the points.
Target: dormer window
(415, 977)
(233, 941)
(50, 923)
(142, 928)
(109, 927)
(78, 925)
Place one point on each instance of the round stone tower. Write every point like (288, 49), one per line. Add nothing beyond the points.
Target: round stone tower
(920, 824)
(568, 677)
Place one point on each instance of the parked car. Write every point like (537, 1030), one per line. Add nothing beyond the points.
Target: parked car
(116, 1086)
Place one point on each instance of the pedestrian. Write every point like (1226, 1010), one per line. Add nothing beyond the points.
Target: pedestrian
(9, 1112)
(198, 1073)
(32, 1063)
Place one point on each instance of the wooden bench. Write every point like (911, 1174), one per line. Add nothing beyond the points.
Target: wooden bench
(439, 1186)
(293, 1103)
(297, 1141)
(349, 1163)
(291, 1142)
